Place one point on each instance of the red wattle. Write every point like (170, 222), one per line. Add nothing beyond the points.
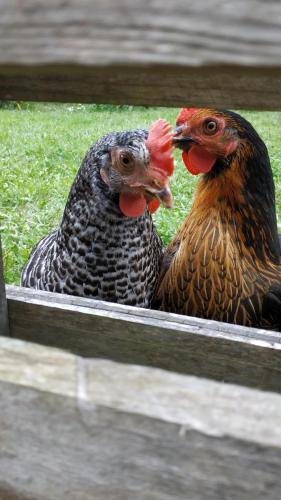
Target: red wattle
(132, 204)
(188, 165)
(153, 205)
(198, 161)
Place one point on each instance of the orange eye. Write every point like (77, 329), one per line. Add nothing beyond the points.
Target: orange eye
(210, 127)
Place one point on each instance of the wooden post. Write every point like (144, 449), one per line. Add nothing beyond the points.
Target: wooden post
(4, 325)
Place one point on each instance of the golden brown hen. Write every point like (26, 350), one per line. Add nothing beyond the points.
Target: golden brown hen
(224, 262)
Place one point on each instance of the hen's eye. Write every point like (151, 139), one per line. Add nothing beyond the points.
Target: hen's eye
(125, 160)
(210, 126)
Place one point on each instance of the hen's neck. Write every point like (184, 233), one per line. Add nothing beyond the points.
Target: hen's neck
(241, 197)
(91, 208)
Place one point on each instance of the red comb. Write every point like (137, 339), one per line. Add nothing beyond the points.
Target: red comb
(159, 145)
(185, 114)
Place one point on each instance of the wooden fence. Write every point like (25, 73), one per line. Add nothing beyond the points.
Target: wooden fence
(80, 429)
(167, 422)
(151, 52)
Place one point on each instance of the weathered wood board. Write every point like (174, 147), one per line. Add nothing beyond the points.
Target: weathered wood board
(131, 335)
(93, 429)
(4, 328)
(143, 52)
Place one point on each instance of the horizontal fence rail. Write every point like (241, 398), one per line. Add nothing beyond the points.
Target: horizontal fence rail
(82, 429)
(219, 53)
(182, 344)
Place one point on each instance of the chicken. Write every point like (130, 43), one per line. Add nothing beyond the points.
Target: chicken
(106, 246)
(224, 262)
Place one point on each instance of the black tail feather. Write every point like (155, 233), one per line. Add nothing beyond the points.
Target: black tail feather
(271, 310)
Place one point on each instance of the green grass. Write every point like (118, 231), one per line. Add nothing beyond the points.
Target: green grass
(41, 148)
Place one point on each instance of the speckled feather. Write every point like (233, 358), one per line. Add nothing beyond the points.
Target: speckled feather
(97, 252)
(224, 262)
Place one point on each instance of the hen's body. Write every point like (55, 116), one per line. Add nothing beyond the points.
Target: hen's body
(98, 252)
(217, 281)
(226, 256)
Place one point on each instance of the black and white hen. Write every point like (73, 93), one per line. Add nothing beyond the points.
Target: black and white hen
(106, 246)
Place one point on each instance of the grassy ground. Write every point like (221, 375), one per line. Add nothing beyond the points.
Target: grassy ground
(41, 148)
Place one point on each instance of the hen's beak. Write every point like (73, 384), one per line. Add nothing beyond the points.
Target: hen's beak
(182, 141)
(164, 195)
(178, 130)
(155, 186)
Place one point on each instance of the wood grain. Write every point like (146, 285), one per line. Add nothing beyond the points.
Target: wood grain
(147, 52)
(4, 326)
(97, 329)
(83, 429)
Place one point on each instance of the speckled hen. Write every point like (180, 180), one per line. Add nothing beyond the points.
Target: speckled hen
(106, 246)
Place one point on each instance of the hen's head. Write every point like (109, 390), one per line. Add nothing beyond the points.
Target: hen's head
(136, 166)
(207, 137)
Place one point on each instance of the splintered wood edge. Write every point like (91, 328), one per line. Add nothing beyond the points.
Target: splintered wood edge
(206, 406)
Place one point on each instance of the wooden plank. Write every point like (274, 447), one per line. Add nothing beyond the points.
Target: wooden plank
(4, 325)
(143, 52)
(224, 87)
(126, 334)
(83, 429)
